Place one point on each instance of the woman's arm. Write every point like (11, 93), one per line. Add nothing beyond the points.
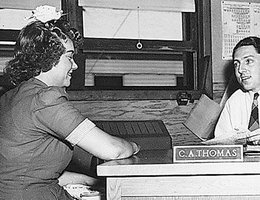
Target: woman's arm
(76, 178)
(107, 147)
(101, 144)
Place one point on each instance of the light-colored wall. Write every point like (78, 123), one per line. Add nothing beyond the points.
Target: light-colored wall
(221, 68)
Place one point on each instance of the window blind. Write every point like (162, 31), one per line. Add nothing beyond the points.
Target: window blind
(157, 5)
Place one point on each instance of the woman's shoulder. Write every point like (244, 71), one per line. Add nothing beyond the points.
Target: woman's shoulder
(35, 93)
(52, 94)
(43, 93)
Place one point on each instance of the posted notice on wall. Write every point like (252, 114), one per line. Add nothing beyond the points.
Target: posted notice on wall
(239, 20)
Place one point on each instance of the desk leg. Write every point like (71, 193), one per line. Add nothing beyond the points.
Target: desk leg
(114, 191)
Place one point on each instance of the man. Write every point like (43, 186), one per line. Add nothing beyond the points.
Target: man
(233, 124)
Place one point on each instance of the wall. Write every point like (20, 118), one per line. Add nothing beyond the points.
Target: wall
(222, 69)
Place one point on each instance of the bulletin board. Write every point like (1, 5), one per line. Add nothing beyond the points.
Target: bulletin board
(239, 20)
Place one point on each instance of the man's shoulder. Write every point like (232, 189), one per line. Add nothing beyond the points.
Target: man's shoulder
(238, 95)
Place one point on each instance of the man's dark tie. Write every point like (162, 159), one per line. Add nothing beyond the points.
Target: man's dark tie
(254, 120)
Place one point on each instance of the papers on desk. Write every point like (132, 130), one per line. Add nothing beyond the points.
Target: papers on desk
(233, 139)
(252, 150)
(217, 141)
(239, 138)
(203, 118)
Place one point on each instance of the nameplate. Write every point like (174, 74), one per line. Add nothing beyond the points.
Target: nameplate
(212, 153)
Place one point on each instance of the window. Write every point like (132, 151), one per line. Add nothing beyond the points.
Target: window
(167, 63)
(123, 70)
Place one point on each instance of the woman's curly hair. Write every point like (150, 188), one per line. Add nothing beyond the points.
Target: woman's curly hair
(38, 48)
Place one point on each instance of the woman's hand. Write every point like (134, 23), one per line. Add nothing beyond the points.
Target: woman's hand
(76, 178)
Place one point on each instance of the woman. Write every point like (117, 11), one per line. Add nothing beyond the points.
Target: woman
(38, 125)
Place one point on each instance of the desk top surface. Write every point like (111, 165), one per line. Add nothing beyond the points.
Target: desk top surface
(160, 163)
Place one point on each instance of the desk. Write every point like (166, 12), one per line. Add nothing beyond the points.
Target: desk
(149, 134)
(153, 175)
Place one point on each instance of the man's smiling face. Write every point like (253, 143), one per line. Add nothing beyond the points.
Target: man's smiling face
(247, 67)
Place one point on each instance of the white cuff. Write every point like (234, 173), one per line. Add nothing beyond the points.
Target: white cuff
(79, 132)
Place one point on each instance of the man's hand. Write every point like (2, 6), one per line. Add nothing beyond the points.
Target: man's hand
(254, 137)
(236, 137)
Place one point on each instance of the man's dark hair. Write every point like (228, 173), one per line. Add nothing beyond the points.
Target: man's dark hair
(248, 41)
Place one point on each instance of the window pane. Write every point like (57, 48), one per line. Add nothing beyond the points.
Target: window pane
(132, 24)
(14, 19)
